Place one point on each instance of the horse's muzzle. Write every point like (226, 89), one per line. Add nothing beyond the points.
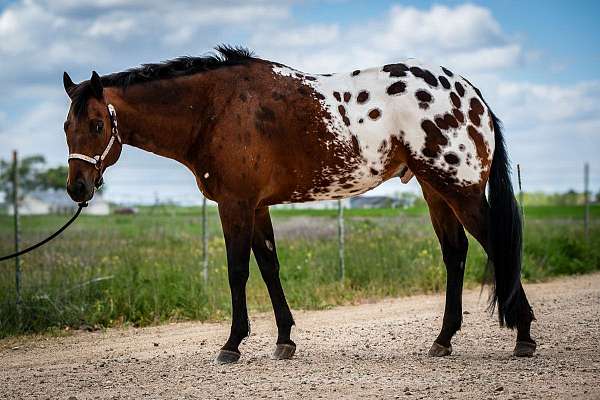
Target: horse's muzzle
(80, 191)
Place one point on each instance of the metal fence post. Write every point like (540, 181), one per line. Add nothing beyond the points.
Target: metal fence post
(204, 242)
(586, 197)
(342, 265)
(17, 234)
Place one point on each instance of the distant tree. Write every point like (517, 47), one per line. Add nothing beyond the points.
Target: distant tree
(407, 199)
(53, 178)
(32, 176)
(568, 198)
(27, 171)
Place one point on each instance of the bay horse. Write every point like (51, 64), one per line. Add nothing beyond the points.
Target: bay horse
(257, 133)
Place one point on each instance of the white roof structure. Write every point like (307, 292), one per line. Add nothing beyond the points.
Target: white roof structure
(57, 202)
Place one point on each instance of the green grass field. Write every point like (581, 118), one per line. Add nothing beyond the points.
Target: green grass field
(146, 268)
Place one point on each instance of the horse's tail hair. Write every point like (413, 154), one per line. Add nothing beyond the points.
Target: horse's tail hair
(505, 235)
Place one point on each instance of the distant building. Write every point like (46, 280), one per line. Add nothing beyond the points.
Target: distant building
(57, 202)
(314, 205)
(381, 202)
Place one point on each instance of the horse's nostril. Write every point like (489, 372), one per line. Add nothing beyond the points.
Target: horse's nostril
(77, 189)
(80, 187)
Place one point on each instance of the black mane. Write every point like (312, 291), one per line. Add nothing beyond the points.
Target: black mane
(226, 56)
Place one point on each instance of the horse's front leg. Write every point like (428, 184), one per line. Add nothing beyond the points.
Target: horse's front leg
(237, 219)
(263, 246)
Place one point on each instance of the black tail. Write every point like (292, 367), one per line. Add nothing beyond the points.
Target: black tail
(505, 235)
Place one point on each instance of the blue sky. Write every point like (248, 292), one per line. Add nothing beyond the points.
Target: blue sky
(536, 62)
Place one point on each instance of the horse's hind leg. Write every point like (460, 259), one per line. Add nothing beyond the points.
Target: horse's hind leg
(473, 212)
(454, 244)
(237, 219)
(263, 246)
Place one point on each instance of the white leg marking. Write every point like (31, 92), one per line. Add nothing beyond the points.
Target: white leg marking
(269, 245)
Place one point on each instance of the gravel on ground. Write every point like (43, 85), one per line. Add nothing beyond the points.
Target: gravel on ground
(371, 350)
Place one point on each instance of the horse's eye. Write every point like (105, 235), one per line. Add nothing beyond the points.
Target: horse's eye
(97, 127)
(66, 126)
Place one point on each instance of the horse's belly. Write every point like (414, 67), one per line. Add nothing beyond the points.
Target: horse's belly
(352, 184)
(349, 182)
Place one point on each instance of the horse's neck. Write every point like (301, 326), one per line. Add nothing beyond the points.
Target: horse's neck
(152, 118)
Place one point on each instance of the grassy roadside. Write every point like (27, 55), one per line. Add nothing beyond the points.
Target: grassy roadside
(145, 269)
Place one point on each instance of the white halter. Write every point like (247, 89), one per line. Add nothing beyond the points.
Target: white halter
(114, 134)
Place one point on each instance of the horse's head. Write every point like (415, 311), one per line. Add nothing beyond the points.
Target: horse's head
(92, 136)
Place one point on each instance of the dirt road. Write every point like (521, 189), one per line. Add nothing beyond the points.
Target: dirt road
(373, 350)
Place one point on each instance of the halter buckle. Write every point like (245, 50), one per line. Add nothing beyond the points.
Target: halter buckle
(98, 164)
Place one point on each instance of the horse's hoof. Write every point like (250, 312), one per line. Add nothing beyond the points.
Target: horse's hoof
(524, 349)
(284, 351)
(227, 357)
(437, 350)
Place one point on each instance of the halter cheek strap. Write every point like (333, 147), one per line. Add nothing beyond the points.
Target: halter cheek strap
(114, 135)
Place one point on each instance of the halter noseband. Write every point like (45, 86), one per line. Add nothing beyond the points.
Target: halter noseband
(96, 161)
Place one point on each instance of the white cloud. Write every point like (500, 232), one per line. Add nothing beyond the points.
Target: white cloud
(64, 5)
(548, 123)
(308, 36)
(183, 23)
(116, 27)
(41, 35)
(529, 104)
(465, 37)
(487, 58)
(15, 37)
(37, 132)
(462, 27)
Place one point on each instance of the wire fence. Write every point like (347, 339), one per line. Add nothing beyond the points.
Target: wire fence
(206, 234)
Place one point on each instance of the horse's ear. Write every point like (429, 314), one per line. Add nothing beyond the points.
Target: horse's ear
(68, 83)
(96, 85)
